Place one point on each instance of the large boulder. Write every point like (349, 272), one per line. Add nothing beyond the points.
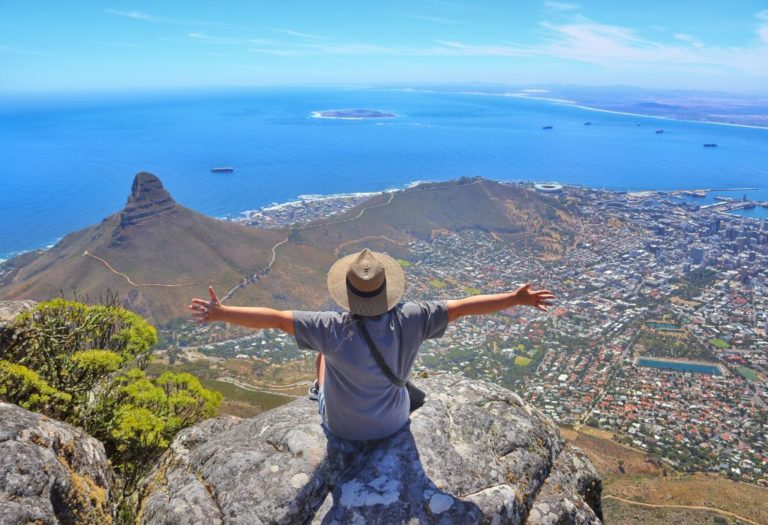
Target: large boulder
(51, 472)
(474, 453)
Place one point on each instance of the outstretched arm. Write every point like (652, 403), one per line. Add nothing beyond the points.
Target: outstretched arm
(488, 304)
(252, 317)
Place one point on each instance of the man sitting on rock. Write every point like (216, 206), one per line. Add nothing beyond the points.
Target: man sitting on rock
(360, 397)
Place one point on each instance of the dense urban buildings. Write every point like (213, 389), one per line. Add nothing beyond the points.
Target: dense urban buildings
(649, 274)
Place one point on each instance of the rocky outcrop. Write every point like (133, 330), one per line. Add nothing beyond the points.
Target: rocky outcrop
(9, 310)
(51, 472)
(474, 453)
(148, 199)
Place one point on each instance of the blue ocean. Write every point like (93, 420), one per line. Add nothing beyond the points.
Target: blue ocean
(68, 161)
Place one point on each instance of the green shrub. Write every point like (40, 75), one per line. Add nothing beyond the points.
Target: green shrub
(84, 364)
(75, 349)
(22, 386)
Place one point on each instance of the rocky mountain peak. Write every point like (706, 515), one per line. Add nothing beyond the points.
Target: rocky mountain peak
(148, 199)
(147, 187)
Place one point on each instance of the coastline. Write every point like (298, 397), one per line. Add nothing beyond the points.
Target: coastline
(601, 110)
(5, 257)
(243, 215)
(319, 114)
(330, 197)
(575, 104)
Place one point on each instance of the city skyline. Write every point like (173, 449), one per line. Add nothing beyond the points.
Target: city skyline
(49, 46)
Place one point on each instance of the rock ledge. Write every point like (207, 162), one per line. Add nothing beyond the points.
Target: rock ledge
(475, 453)
(51, 472)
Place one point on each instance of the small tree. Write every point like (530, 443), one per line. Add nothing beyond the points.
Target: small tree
(138, 417)
(24, 387)
(76, 348)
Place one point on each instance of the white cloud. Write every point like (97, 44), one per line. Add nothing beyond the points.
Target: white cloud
(210, 39)
(455, 48)
(18, 51)
(124, 44)
(762, 31)
(426, 18)
(146, 17)
(688, 39)
(575, 39)
(560, 6)
(331, 49)
(588, 41)
(299, 34)
(136, 15)
(684, 37)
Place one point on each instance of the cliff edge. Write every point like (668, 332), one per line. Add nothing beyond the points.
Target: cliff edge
(475, 453)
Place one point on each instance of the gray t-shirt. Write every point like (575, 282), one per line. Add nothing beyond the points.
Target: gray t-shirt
(360, 402)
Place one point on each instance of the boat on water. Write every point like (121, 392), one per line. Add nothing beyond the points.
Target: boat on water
(659, 131)
(711, 145)
(587, 123)
(546, 127)
(225, 169)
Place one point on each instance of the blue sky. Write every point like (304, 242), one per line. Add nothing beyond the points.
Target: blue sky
(119, 44)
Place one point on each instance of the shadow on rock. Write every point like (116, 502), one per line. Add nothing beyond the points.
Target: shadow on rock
(384, 482)
(474, 453)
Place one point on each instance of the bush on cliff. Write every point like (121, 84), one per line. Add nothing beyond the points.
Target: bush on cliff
(84, 364)
(139, 417)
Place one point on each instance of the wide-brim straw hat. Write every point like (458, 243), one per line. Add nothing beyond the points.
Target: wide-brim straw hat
(366, 283)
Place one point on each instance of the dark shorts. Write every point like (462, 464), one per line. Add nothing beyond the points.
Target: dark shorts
(344, 457)
(324, 424)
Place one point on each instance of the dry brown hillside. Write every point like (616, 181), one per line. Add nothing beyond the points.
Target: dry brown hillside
(154, 253)
(157, 254)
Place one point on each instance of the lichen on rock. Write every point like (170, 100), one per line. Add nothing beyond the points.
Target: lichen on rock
(474, 453)
(51, 472)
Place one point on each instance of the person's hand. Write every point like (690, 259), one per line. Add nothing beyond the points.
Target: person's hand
(536, 298)
(207, 311)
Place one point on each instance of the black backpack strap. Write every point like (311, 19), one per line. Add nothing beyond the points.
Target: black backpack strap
(377, 355)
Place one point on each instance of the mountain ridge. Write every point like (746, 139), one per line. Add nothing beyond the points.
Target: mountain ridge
(156, 254)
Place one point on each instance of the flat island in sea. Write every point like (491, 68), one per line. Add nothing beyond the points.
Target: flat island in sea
(352, 114)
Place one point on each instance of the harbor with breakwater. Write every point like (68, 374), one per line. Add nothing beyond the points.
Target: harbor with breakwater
(723, 204)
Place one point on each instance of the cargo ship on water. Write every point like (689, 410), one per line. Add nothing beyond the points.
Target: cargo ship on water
(224, 169)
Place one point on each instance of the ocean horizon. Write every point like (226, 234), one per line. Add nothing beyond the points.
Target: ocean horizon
(69, 160)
